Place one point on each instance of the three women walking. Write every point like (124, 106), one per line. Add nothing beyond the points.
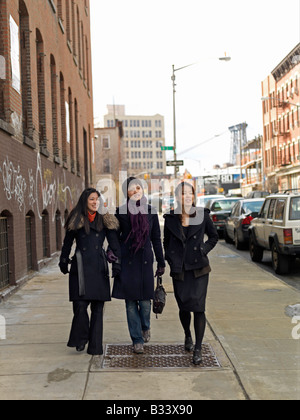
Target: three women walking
(133, 234)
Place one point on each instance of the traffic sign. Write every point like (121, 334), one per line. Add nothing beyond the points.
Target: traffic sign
(167, 148)
(175, 163)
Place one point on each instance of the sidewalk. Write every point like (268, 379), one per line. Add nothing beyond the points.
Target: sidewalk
(248, 331)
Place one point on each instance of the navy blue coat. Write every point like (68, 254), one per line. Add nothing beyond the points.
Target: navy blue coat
(189, 253)
(94, 264)
(136, 281)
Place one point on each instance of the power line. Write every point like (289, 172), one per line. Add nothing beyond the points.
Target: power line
(200, 144)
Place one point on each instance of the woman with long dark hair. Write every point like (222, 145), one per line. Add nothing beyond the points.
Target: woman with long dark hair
(89, 276)
(186, 252)
(139, 231)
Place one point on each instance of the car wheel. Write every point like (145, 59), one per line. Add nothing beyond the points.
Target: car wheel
(281, 263)
(238, 244)
(256, 252)
(227, 238)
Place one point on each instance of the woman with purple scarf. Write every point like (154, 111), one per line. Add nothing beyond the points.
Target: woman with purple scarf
(139, 232)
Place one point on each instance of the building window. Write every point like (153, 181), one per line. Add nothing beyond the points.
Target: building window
(40, 56)
(68, 20)
(54, 109)
(106, 166)
(106, 142)
(63, 121)
(77, 138)
(25, 71)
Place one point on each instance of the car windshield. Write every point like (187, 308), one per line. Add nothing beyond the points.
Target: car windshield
(224, 205)
(295, 209)
(203, 200)
(252, 207)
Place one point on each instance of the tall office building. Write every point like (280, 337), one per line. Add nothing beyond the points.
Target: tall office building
(143, 139)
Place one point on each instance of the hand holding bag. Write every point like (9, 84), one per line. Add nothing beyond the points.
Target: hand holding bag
(159, 300)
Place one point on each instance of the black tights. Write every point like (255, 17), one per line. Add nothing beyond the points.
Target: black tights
(199, 325)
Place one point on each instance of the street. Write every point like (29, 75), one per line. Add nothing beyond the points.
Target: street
(293, 278)
(253, 345)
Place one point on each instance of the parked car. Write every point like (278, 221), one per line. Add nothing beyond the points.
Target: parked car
(277, 228)
(257, 194)
(203, 199)
(238, 222)
(220, 209)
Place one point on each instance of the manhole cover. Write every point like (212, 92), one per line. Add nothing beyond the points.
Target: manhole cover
(156, 356)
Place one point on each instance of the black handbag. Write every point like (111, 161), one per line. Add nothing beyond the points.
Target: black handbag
(159, 300)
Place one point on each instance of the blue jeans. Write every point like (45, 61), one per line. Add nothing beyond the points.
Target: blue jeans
(138, 318)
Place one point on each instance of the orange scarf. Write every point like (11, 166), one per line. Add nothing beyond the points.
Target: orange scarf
(91, 217)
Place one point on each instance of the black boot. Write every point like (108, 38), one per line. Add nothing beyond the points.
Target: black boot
(188, 344)
(197, 357)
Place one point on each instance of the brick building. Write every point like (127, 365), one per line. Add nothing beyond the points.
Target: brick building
(281, 124)
(46, 128)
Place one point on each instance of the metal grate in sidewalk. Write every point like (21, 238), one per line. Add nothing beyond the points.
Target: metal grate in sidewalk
(156, 356)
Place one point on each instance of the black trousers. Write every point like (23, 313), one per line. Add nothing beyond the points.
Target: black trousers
(84, 330)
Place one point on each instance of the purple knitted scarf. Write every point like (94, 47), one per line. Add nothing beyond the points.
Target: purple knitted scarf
(138, 213)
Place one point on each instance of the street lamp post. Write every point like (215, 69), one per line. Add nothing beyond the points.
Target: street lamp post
(173, 78)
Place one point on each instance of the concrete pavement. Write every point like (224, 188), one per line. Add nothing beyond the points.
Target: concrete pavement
(248, 331)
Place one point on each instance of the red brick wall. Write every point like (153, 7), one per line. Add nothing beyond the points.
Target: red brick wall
(35, 179)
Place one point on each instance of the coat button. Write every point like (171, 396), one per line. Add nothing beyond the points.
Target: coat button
(97, 234)
(83, 249)
(196, 261)
(97, 247)
(195, 248)
(195, 237)
(146, 262)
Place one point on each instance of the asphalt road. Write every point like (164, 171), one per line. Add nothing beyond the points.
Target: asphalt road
(293, 279)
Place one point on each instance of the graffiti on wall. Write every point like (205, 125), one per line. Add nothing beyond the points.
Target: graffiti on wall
(38, 190)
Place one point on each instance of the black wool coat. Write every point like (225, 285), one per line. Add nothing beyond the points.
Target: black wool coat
(189, 253)
(136, 281)
(89, 275)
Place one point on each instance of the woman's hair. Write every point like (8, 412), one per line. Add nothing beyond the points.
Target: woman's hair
(179, 192)
(78, 217)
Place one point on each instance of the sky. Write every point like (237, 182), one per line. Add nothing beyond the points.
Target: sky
(136, 42)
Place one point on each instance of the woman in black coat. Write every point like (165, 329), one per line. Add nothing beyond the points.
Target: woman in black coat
(89, 277)
(186, 253)
(139, 231)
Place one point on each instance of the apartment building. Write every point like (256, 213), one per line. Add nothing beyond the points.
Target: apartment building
(46, 128)
(143, 138)
(281, 124)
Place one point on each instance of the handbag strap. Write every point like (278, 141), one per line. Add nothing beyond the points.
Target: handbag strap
(159, 281)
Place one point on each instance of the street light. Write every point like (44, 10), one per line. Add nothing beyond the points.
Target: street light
(173, 78)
